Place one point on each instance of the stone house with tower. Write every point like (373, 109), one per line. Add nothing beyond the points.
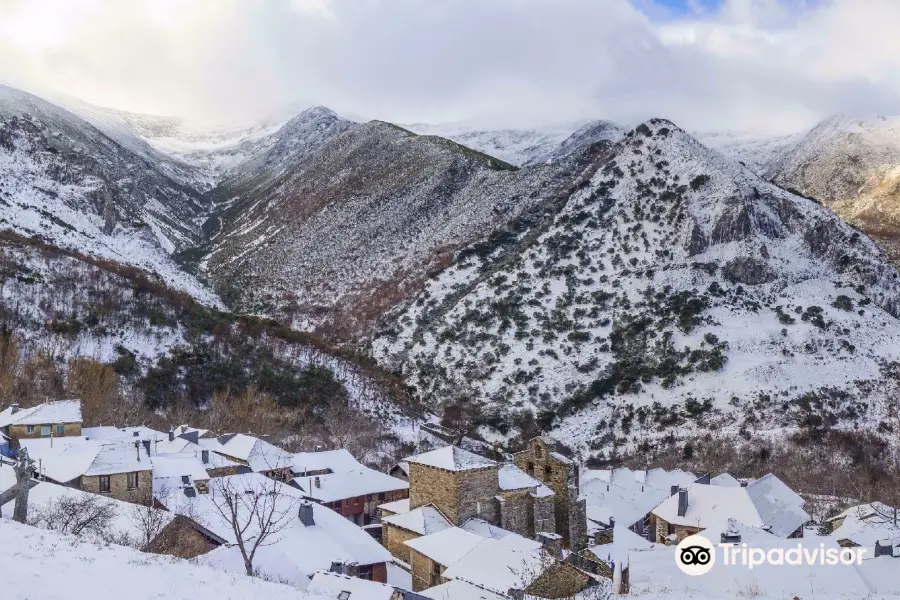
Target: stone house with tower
(544, 462)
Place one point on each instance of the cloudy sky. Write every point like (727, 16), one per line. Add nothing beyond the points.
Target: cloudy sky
(771, 65)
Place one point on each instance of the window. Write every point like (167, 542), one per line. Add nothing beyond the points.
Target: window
(104, 484)
(45, 431)
(131, 480)
(537, 451)
(60, 429)
(29, 429)
(548, 472)
(381, 497)
(529, 468)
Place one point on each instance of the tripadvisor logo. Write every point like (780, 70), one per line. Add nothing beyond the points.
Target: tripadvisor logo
(695, 555)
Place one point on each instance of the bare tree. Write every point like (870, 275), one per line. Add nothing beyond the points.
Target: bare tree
(79, 514)
(460, 417)
(257, 509)
(9, 364)
(147, 520)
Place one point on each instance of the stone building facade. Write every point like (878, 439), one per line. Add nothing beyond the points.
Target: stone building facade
(460, 494)
(184, 538)
(664, 529)
(131, 487)
(559, 473)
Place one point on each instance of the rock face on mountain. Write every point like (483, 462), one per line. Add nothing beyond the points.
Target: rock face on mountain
(673, 287)
(336, 234)
(853, 166)
(579, 143)
(65, 181)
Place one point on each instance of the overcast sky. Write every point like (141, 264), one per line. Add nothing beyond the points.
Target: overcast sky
(738, 64)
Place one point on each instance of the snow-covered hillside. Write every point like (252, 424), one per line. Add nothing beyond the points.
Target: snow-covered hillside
(64, 181)
(343, 230)
(853, 166)
(674, 286)
(756, 151)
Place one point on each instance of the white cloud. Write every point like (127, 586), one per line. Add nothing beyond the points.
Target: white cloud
(775, 64)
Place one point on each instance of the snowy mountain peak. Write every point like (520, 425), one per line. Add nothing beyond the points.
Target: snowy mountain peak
(672, 280)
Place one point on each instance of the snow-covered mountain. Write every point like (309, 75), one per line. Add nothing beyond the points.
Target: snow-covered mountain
(518, 147)
(673, 285)
(755, 150)
(333, 234)
(65, 181)
(853, 166)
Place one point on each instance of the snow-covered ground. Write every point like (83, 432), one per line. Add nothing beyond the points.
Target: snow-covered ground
(43, 565)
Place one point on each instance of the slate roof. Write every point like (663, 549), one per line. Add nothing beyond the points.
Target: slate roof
(48, 413)
(352, 484)
(451, 458)
(424, 520)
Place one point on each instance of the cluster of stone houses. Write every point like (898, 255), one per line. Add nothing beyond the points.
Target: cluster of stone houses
(443, 524)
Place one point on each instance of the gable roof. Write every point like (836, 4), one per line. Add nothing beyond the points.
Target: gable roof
(779, 507)
(259, 454)
(93, 458)
(110, 434)
(725, 480)
(332, 538)
(424, 520)
(513, 562)
(48, 413)
(447, 546)
(336, 461)
(868, 523)
(351, 484)
(460, 590)
(766, 502)
(451, 458)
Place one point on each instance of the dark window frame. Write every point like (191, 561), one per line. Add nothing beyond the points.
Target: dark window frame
(104, 489)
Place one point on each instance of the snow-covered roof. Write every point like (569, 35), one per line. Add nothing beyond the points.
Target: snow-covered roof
(124, 526)
(866, 524)
(779, 507)
(396, 507)
(259, 454)
(725, 480)
(351, 484)
(709, 504)
(424, 520)
(336, 461)
(176, 465)
(183, 446)
(269, 563)
(653, 570)
(42, 448)
(332, 538)
(93, 458)
(456, 589)
(881, 575)
(107, 433)
(624, 541)
(333, 586)
(627, 495)
(7, 477)
(183, 429)
(451, 458)
(48, 413)
(512, 477)
(513, 562)
(484, 529)
(112, 572)
(447, 546)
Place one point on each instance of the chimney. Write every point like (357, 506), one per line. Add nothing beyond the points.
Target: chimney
(306, 514)
(682, 502)
(14, 408)
(673, 490)
(318, 482)
(137, 448)
(204, 456)
(743, 484)
(339, 568)
(171, 435)
(551, 542)
(612, 522)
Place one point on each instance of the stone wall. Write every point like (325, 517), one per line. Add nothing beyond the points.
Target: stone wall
(423, 572)
(429, 485)
(460, 495)
(516, 512)
(560, 475)
(20, 432)
(392, 537)
(180, 538)
(681, 531)
(544, 514)
(118, 486)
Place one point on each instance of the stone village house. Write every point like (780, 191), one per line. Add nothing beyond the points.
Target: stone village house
(61, 418)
